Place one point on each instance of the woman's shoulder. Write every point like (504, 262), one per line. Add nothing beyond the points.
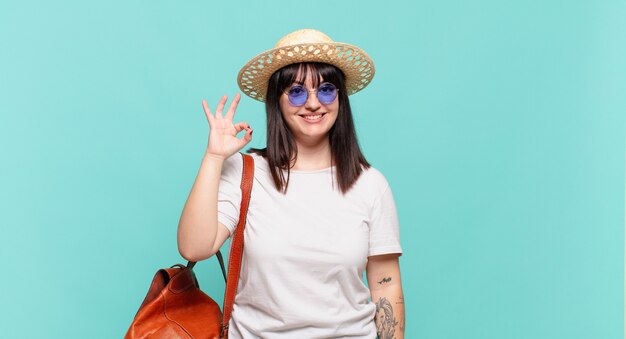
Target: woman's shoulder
(233, 165)
(233, 162)
(372, 174)
(236, 160)
(260, 162)
(371, 181)
(232, 168)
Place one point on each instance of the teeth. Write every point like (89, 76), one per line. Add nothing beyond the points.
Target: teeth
(312, 117)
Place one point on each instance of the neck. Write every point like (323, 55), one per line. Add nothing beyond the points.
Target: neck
(313, 155)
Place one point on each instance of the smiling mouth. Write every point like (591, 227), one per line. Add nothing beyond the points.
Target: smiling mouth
(312, 116)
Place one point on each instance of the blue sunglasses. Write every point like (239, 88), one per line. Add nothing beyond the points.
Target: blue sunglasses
(326, 94)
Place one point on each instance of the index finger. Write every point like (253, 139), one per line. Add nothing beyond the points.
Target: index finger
(207, 111)
(233, 107)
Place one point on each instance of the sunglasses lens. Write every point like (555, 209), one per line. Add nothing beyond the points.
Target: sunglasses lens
(326, 93)
(297, 95)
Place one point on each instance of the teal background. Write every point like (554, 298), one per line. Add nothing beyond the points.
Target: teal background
(499, 125)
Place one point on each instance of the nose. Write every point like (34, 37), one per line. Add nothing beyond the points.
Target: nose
(312, 103)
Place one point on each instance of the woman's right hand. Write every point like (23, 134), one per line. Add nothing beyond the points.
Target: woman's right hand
(223, 141)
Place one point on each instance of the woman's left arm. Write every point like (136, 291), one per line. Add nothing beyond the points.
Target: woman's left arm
(383, 278)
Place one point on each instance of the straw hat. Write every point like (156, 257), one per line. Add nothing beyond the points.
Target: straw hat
(306, 45)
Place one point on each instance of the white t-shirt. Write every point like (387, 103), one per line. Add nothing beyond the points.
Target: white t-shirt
(305, 251)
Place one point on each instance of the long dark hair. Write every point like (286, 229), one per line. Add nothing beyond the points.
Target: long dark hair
(281, 147)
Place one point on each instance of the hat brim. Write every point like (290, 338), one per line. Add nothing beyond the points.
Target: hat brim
(356, 65)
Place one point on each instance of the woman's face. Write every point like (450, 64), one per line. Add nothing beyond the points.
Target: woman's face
(311, 122)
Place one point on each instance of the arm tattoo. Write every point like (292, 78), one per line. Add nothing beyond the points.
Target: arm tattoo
(385, 321)
(385, 280)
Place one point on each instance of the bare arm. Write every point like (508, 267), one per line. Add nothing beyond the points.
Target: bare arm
(200, 235)
(383, 278)
(198, 225)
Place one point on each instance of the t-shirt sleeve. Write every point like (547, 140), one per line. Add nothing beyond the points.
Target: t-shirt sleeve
(229, 194)
(384, 227)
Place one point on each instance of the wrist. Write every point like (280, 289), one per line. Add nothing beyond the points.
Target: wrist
(214, 157)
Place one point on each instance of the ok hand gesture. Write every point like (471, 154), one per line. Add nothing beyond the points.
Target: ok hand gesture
(223, 141)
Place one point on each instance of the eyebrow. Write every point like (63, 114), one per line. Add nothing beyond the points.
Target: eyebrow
(301, 83)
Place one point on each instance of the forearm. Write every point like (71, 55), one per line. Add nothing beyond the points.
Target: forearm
(390, 317)
(197, 227)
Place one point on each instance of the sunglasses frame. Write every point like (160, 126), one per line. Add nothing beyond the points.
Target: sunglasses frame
(309, 91)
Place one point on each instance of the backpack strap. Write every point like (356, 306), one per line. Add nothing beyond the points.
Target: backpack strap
(236, 248)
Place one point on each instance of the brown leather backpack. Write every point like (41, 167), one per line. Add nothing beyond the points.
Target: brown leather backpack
(175, 307)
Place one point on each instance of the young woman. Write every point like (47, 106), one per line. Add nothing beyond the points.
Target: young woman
(319, 216)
